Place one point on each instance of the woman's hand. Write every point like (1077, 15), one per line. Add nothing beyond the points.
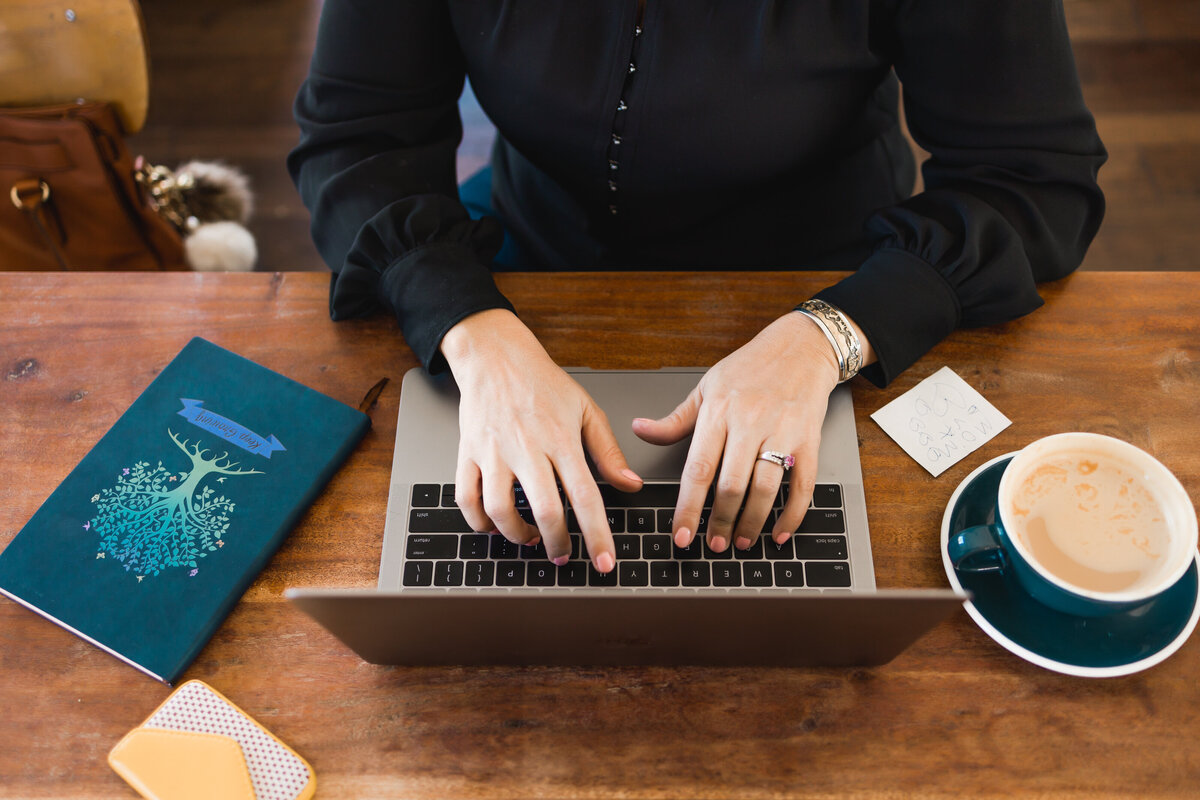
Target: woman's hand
(770, 394)
(522, 417)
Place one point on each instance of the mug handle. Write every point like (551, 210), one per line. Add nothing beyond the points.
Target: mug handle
(977, 549)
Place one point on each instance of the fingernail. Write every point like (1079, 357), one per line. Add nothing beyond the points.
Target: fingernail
(604, 562)
(717, 545)
(534, 542)
(633, 476)
(743, 543)
(494, 531)
(558, 562)
(780, 538)
(681, 537)
(642, 419)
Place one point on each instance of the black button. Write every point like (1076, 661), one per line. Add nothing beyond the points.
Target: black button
(827, 495)
(448, 573)
(598, 578)
(777, 552)
(510, 573)
(418, 573)
(757, 573)
(696, 573)
(542, 574)
(710, 553)
(641, 520)
(819, 547)
(820, 521)
(616, 519)
(727, 574)
(664, 573)
(437, 520)
(431, 546)
(503, 548)
(656, 546)
(426, 495)
(788, 574)
(694, 550)
(473, 545)
(627, 546)
(827, 573)
(538, 551)
(448, 496)
(481, 573)
(634, 573)
(573, 573)
(754, 551)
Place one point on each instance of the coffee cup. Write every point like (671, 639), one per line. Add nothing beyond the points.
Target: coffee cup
(1088, 524)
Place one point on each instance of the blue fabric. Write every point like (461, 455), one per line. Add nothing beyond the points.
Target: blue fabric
(476, 195)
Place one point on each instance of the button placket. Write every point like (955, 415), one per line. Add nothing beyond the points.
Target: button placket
(618, 124)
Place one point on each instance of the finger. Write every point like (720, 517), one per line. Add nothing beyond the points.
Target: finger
(542, 493)
(704, 454)
(764, 488)
(737, 464)
(601, 443)
(468, 495)
(501, 505)
(673, 427)
(801, 479)
(588, 506)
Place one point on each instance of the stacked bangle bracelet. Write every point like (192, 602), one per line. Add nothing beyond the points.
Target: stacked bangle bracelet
(841, 336)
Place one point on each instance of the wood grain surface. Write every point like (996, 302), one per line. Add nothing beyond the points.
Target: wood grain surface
(954, 716)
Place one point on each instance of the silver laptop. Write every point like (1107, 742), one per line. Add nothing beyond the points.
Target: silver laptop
(449, 595)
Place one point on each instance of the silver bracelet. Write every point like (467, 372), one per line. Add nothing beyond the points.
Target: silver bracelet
(841, 336)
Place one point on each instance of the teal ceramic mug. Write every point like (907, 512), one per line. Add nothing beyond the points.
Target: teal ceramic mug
(1088, 524)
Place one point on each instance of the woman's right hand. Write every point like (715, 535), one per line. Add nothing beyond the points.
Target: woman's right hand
(522, 417)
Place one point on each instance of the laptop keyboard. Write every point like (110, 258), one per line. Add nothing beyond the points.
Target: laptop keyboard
(443, 551)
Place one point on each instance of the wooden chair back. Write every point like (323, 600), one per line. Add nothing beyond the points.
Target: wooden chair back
(57, 52)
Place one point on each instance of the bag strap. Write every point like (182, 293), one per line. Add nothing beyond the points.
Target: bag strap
(32, 197)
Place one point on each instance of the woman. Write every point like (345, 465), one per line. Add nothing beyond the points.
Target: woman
(671, 133)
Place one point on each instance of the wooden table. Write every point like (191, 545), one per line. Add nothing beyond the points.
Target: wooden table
(954, 716)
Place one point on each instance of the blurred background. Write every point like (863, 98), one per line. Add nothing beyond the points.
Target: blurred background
(224, 72)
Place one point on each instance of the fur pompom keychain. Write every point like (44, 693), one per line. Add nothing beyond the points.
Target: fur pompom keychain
(209, 204)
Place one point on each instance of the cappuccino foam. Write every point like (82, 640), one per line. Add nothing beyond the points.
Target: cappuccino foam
(1090, 521)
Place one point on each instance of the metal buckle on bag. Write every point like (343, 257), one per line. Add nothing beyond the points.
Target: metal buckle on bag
(24, 194)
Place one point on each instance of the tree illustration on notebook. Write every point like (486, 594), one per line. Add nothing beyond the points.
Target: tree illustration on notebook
(155, 518)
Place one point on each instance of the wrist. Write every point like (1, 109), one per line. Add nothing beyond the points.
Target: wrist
(845, 338)
(477, 338)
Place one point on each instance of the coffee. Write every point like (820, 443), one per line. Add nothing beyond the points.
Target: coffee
(1091, 521)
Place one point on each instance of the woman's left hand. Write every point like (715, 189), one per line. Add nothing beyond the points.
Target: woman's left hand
(770, 394)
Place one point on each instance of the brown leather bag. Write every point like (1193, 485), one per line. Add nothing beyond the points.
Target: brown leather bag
(74, 200)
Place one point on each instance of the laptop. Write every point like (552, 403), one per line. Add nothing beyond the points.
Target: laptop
(449, 595)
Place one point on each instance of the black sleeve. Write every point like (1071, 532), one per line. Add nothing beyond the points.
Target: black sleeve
(379, 125)
(991, 91)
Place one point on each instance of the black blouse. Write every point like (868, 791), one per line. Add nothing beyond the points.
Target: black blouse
(733, 134)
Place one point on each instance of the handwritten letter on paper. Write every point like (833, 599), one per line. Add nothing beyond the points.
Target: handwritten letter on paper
(940, 420)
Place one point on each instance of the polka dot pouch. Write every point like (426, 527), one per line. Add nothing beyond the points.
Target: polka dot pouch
(197, 744)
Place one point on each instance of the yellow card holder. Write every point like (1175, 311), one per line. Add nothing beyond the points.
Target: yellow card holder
(198, 745)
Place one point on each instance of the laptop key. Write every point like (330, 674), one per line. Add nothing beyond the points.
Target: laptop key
(712, 554)
(827, 495)
(789, 574)
(627, 546)
(541, 574)
(426, 495)
(823, 521)
(573, 573)
(820, 547)
(448, 573)
(696, 573)
(616, 520)
(777, 552)
(431, 545)
(651, 494)
(418, 573)
(437, 520)
(448, 496)
(666, 517)
(754, 551)
(693, 550)
(597, 578)
(827, 573)
(641, 520)
(729, 574)
(480, 573)
(510, 573)
(634, 573)
(538, 551)
(503, 548)
(473, 545)
(756, 573)
(656, 546)
(664, 573)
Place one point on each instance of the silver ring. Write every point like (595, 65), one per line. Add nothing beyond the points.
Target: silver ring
(782, 459)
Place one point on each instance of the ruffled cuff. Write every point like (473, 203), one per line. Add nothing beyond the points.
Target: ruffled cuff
(431, 289)
(903, 306)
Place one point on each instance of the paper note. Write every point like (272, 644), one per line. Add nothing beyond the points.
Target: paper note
(940, 420)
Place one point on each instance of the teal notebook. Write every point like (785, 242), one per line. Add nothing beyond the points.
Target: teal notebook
(154, 536)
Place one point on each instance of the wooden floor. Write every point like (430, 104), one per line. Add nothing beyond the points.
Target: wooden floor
(224, 74)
